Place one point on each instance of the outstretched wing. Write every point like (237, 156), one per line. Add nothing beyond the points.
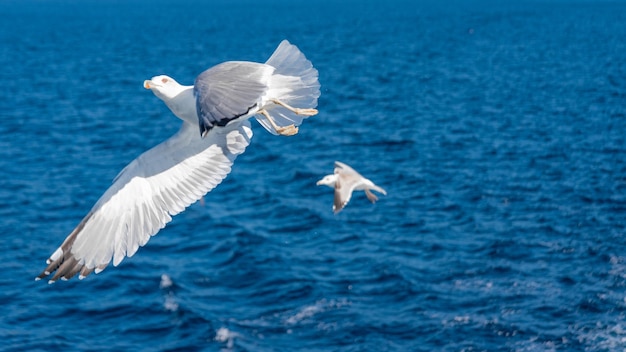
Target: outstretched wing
(228, 91)
(345, 169)
(157, 185)
(344, 185)
(342, 196)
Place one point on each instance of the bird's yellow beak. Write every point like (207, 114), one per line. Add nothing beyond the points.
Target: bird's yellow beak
(146, 84)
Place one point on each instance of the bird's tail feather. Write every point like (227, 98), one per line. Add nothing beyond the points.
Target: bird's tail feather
(294, 82)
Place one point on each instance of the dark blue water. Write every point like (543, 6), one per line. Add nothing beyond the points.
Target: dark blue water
(498, 131)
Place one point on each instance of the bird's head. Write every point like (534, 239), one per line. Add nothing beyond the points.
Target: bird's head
(328, 180)
(164, 87)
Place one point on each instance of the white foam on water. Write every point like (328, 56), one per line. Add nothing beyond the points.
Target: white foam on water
(170, 303)
(226, 336)
(309, 311)
(304, 313)
(603, 337)
(166, 281)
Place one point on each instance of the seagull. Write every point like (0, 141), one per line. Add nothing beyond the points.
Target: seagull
(166, 179)
(345, 180)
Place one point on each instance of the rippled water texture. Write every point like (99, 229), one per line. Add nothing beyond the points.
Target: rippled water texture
(497, 130)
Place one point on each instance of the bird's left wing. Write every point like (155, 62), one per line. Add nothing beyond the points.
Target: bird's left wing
(341, 167)
(157, 185)
(229, 90)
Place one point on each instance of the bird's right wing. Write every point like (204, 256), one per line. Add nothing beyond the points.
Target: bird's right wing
(347, 180)
(157, 185)
(344, 186)
(343, 193)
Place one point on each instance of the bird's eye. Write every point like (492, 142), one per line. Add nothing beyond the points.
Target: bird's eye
(164, 80)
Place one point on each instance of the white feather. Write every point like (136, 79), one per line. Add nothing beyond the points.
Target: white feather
(166, 179)
(157, 185)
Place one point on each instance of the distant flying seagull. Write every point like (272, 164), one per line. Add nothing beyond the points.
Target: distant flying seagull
(345, 180)
(166, 179)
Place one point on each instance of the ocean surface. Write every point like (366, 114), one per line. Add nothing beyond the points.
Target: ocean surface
(498, 129)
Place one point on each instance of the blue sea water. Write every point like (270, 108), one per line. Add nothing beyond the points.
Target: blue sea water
(497, 128)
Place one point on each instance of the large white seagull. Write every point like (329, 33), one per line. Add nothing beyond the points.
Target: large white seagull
(166, 179)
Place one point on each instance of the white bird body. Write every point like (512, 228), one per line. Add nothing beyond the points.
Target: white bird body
(346, 180)
(236, 90)
(166, 179)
